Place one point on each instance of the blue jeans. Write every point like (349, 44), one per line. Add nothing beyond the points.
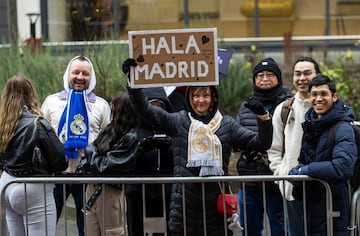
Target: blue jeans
(255, 212)
(77, 191)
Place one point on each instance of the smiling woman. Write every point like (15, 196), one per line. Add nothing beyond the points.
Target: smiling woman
(201, 100)
(202, 140)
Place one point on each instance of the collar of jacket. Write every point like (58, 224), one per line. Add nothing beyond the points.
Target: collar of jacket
(63, 96)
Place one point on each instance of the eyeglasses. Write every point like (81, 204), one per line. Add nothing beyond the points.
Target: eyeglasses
(322, 94)
(305, 73)
(267, 75)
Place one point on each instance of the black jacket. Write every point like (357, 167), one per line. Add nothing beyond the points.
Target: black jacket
(156, 158)
(230, 134)
(247, 166)
(17, 160)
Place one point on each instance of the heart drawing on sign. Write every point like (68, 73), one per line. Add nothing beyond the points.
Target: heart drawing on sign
(204, 39)
(140, 58)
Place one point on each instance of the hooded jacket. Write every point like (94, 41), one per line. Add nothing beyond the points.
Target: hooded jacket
(151, 162)
(155, 160)
(99, 109)
(177, 125)
(335, 165)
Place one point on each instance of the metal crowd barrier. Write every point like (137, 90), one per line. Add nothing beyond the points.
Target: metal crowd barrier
(149, 224)
(354, 226)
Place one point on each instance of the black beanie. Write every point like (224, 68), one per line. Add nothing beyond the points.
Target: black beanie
(270, 65)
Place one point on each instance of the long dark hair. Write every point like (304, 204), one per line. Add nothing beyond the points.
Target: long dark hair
(123, 120)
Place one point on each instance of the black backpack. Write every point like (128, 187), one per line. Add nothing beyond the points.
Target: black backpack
(355, 179)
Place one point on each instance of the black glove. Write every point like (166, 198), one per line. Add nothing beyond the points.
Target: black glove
(126, 66)
(246, 166)
(255, 106)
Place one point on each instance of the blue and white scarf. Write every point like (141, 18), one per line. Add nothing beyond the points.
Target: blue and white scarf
(73, 127)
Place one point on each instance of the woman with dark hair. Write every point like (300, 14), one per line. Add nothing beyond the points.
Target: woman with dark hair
(22, 127)
(123, 121)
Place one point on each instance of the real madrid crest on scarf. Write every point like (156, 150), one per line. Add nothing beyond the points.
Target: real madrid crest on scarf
(74, 124)
(78, 126)
(204, 147)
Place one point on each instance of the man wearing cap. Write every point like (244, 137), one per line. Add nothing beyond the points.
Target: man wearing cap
(269, 90)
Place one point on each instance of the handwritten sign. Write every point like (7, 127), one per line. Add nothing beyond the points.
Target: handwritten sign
(184, 57)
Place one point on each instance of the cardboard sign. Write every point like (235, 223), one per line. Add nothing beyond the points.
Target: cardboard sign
(184, 57)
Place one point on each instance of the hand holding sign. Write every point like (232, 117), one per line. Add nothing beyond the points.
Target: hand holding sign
(126, 66)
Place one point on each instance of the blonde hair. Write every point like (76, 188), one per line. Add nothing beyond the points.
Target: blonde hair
(17, 93)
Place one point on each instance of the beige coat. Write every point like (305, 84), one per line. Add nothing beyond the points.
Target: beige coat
(281, 164)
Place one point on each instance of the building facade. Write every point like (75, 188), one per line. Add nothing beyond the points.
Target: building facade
(74, 20)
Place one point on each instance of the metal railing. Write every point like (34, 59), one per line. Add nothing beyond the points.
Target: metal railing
(267, 44)
(183, 180)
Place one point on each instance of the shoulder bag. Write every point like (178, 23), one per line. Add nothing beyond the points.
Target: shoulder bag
(227, 203)
(119, 161)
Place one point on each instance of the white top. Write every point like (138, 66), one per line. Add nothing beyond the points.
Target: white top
(279, 164)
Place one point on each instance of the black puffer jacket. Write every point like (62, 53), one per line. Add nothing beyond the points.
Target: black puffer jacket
(156, 159)
(17, 160)
(231, 135)
(248, 166)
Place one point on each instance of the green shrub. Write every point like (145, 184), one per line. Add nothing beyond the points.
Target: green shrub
(345, 72)
(42, 68)
(46, 68)
(236, 86)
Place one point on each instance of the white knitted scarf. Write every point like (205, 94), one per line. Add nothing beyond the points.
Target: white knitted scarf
(204, 147)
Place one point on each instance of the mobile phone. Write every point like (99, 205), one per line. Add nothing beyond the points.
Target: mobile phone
(159, 136)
